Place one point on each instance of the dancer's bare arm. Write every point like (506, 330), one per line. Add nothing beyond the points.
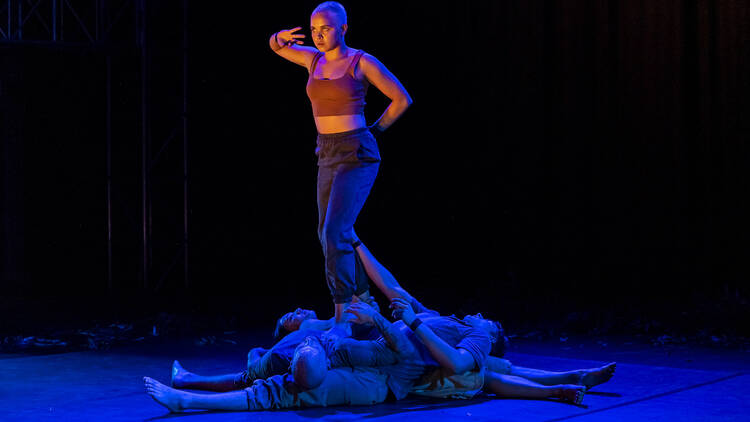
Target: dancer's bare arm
(380, 275)
(290, 47)
(456, 360)
(382, 78)
(385, 281)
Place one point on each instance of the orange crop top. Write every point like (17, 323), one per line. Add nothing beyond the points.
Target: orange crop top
(340, 96)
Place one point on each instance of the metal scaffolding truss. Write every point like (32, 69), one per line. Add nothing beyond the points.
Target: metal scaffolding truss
(108, 26)
(60, 22)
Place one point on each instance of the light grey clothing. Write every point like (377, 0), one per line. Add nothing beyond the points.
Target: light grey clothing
(342, 386)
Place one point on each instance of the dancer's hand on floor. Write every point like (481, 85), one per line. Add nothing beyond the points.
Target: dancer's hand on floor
(402, 310)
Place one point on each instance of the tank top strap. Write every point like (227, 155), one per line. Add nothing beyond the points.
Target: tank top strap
(317, 57)
(354, 62)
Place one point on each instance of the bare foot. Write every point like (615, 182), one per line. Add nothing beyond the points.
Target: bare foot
(595, 376)
(165, 396)
(179, 375)
(571, 393)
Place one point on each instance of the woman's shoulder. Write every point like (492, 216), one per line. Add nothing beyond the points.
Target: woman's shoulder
(370, 61)
(366, 56)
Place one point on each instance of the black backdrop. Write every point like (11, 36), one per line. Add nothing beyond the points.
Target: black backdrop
(560, 158)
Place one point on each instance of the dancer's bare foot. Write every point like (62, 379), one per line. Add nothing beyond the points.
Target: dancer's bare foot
(179, 375)
(595, 376)
(571, 393)
(166, 396)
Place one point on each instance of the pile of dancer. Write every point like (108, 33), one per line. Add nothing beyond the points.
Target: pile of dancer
(360, 357)
(368, 360)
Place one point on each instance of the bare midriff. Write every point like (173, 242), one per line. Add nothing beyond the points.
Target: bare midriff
(337, 124)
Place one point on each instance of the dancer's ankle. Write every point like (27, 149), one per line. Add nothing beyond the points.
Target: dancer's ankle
(339, 316)
(355, 240)
(577, 377)
(184, 400)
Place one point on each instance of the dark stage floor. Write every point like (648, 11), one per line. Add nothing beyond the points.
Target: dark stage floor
(655, 383)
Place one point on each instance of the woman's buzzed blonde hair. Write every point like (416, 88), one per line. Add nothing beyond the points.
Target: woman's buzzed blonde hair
(334, 7)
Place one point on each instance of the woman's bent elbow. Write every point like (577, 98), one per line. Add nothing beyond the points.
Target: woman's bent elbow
(404, 103)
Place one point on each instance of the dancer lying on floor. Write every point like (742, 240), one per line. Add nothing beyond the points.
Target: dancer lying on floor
(307, 319)
(362, 385)
(276, 360)
(381, 352)
(349, 386)
(262, 363)
(501, 377)
(359, 385)
(390, 287)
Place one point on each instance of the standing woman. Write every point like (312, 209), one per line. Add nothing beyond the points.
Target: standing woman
(348, 157)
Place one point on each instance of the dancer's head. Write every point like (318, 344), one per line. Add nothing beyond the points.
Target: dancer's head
(309, 364)
(291, 321)
(493, 329)
(328, 25)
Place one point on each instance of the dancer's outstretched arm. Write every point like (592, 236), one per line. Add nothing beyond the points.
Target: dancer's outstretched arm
(456, 360)
(385, 281)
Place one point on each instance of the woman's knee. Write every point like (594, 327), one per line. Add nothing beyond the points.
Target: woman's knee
(336, 238)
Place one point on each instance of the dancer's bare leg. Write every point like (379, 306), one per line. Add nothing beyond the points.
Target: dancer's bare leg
(183, 379)
(586, 377)
(177, 401)
(595, 376)
(517, 387)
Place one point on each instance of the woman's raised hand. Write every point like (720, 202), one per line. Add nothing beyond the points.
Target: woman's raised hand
(288, 36)
(363, 312)
(402, 310)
